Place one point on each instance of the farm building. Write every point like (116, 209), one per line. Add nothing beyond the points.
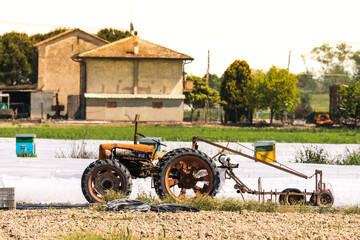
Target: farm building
(133, 76)
(56, 74)
(55, 70)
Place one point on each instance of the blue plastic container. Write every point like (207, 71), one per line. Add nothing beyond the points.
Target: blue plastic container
(25, 143)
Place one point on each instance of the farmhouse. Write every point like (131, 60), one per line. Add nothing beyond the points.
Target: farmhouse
(133, 76)
(57, 73)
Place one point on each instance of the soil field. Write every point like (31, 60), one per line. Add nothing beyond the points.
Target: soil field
(46, 224)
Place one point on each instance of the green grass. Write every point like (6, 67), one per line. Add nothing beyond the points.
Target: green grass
(178, 133)
(320, 102)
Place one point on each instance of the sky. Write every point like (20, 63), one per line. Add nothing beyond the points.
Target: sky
(261, 32)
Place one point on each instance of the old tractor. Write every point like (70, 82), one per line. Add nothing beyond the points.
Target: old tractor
(179, 173)
(183, 172)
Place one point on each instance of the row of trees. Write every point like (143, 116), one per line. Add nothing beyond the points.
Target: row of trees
(16, 53)
(242, 92)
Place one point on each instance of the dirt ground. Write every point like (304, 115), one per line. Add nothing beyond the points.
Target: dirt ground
(46, 224)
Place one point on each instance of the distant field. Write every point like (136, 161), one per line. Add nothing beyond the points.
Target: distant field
(320, 102)
(177, 133)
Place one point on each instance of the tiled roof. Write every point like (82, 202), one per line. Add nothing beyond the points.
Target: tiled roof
(125, 48)
(66, 33)
(132, 96)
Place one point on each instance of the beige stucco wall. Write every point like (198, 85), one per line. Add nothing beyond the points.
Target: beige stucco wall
(57, 72)
(109, 76)
(117, 76)
(160, 77)
(172, 110)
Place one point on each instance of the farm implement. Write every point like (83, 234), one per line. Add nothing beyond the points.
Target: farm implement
(182, 172)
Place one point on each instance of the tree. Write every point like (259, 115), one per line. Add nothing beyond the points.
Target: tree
(41, 37)
(112, 35)
(16, 58)
(306, 82)
(200, 95)
(334, 63)
(356, 58)
(278, 91)
(349, 101)
(238, 89)
(214, 81)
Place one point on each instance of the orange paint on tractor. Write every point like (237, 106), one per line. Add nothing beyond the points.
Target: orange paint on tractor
(105, 149)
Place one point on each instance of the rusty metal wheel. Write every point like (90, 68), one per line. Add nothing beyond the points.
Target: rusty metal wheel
(103, 175)
(324, 199)
(187, 173)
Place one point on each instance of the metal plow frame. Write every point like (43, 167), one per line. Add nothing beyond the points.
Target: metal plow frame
(242, 188)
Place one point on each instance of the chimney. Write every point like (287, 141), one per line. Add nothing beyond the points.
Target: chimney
(136, 45)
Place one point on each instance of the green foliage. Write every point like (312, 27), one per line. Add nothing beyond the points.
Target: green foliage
(349, 101)
(200, 95)
(238, 205)
(334, 61)
(178, 133)
(303, 110)
(239, 89)
(350, 158)
(111, 195)
(318, 155)
(15, 58)
(320, 102)
(313, 154)
(278, 91)
(214, 81)
(307, 82)
(356, 58)
(41, 37)
(78, 151)
(112, 35)
(26, 154)
(305, 97)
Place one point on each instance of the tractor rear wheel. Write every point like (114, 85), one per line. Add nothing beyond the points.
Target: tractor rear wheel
(103, 175)
(187, 172)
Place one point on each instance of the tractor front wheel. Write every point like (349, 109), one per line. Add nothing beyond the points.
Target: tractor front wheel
(103, 175)
(324, 199)
(187, 173)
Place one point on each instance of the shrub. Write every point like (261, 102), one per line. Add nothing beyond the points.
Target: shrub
(350, 158)
(78, 151)
(313, 154)
(303, 110)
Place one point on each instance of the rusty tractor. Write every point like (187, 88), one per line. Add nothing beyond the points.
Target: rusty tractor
(180, 173)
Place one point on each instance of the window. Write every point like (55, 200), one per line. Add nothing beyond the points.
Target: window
(157, 105)
(111, 104)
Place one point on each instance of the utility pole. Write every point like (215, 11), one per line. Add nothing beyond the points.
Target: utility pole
(289, 61)
(206, 109)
